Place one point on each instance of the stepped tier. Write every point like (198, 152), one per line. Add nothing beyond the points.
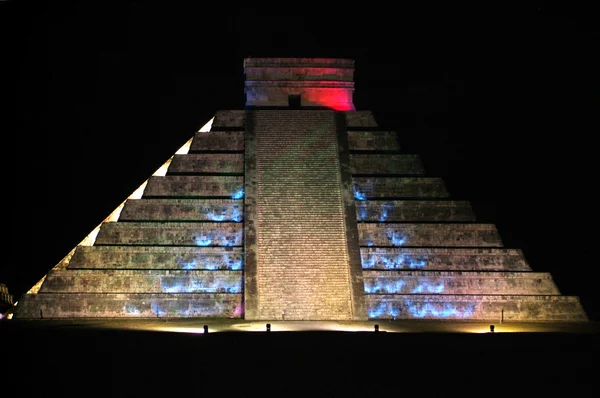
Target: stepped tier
(157, 257)
(209, 163)
(505, 308)
(142, 281)
(428, 235)
(182, 210)
(399, 187)
(170, 234)
(373, 141)
(194, 186)
(414, 210)
(458, 259)
(217, 141)
(458, 282)
(366, 163)
(128, 305)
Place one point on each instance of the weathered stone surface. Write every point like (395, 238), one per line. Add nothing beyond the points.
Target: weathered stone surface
(458, 282)
(217, 141)
(386, 164)
(399, 187)
(441, 235)
(209, 163)
(316, 82)
(414, 210)
(229, 119)
(157, 257)
(373, 141)
(182, 210)
(142, 281)
(303, 267)
(360, 119)
(476, 307)
(170, 234)
(459, 259)
(110, 305)
(193, 186)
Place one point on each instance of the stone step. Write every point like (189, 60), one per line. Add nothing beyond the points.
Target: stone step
(209, 163)
(141, 281)
(458, 282)
(398, 187)
(524, 308)
(170, 234)
(373, 141)
(182, 210)
(360, 119)
(414, 210)
(157, 257)
(402, 164)
(111, 305)
(428, 235)
(459, 259)
(195, 186)
(229, 119)
(217, 141)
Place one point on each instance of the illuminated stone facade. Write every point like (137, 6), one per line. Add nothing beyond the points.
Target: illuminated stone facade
(298, 207)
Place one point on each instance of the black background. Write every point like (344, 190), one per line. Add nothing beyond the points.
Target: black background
(501, 101)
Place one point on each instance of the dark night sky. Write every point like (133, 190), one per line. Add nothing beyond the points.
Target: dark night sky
(498, 101)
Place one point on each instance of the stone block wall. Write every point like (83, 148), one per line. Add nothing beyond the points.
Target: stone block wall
(129, 305)
(142, 281)
(217, 141)
(488, 307)
(458, 282)
(157, 257)
(451, 259)
(302, 265)
(428, 235)
(361, 140)
(386, 164)
(175, 252)
(399, 187)
(208, 163)
(182, 210)
(193, 186)
(424, 256)
(229, 120)
(414, 210)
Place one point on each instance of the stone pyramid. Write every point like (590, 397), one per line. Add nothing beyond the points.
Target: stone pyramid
(298, 207)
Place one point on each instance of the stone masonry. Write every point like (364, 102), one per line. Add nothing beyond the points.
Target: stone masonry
(297, 207)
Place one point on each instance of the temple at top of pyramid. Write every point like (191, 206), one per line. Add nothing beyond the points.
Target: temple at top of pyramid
(298, 207)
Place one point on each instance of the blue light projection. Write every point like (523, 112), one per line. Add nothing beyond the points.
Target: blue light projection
(238, 195)
(374, 286)
(203, 241)
(398, 240)
(216, 217)
(382, 309)
(179, 285)
(387, 286)
(385, 212)
(131, 309)
(387, 261)
(358, 195)
(236, 215)
(427, 288)
(396, 237)
(189, 264)
(362, 213)
(442, 310)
